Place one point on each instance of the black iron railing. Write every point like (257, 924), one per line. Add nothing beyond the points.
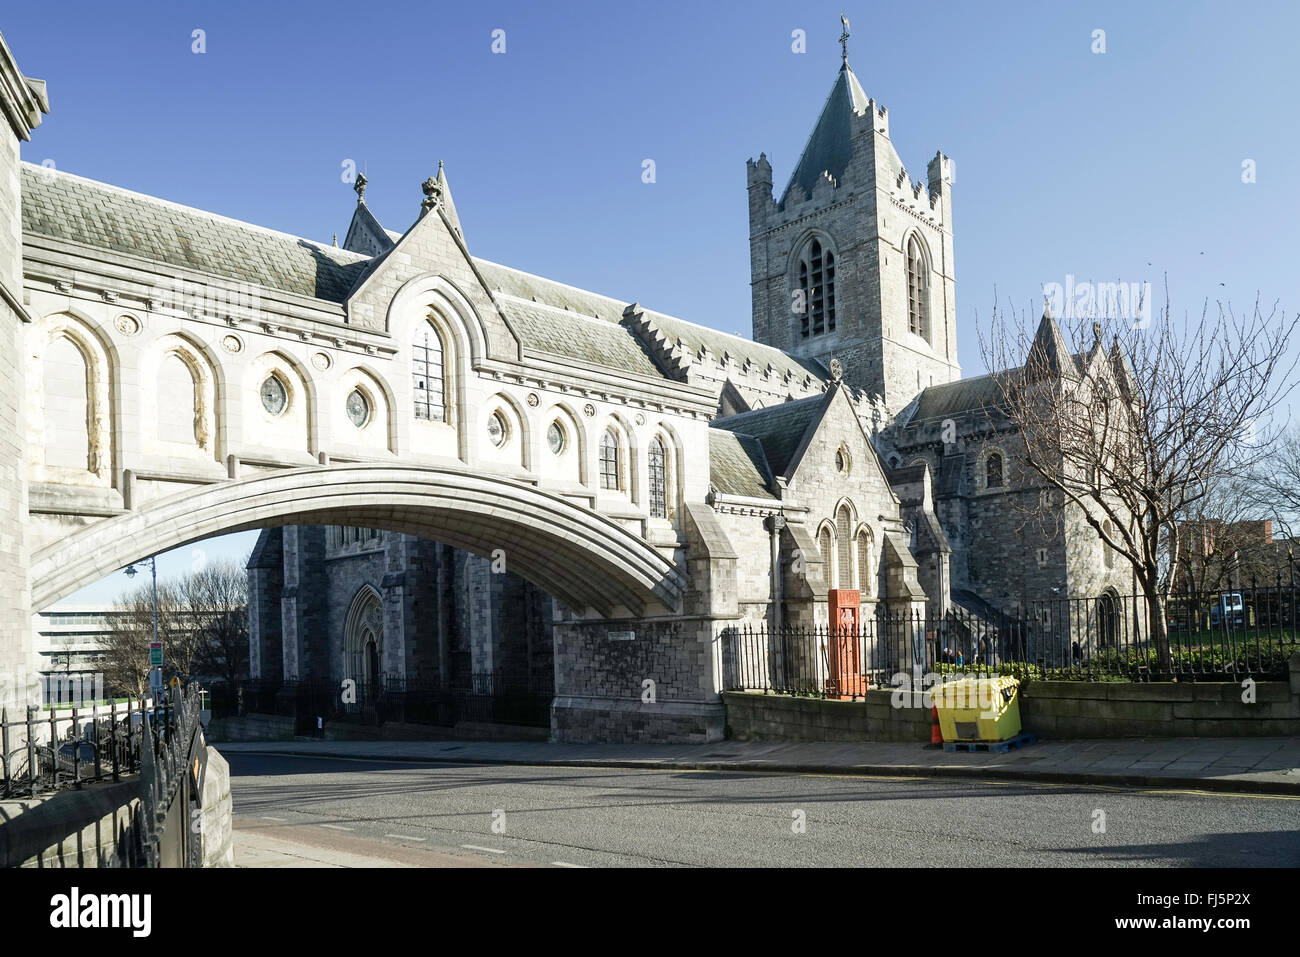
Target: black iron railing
(48, 752)
(1222, 636)
(480, 697)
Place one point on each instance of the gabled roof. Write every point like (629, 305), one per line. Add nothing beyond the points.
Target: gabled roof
(830, 147)
(365, 234)
(61, 206)
(1050, 352)
(738, 466)
(954, 398)
(778, 428)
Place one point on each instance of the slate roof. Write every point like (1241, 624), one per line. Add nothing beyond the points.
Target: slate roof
(737, 465)
(562, 320)
(62, 206)
(778, 428)
(693, 336)
(545, 328)
(830, 146)
(551, 317)
(954, 398)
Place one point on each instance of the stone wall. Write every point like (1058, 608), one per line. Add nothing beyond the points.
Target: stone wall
(251, 727)
(1051, 709)
(759, 717)
(84, 828)
(601, 692)
(92, 826)
(1074, 709)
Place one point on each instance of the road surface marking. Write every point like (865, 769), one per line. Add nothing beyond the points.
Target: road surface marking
(406, 837)
(282, 820)
(490, 850)
(338, 827)
(567, 864)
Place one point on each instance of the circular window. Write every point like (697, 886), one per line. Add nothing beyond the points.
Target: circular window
(274, 396)
(497, 429)
(555, 438)
(358, 408)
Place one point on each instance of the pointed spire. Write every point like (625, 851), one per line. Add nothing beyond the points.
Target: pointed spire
(1049, 354)
(830, 146)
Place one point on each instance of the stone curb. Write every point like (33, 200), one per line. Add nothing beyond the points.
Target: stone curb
(1227, 785)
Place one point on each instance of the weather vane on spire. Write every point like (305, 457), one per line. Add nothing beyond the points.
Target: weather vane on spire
(844, 38)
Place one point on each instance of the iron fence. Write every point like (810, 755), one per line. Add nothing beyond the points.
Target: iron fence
(160, 741)
(1221, 636)
(52, 749)
(480, 697)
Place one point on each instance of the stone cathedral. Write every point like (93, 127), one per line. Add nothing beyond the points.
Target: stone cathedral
(842, 438)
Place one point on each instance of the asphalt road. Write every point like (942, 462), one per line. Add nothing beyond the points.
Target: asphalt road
(535, 816)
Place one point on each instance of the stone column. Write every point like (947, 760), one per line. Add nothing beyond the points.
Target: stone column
(22, 101)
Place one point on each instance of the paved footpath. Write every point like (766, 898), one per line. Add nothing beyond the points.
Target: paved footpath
(1262, 765)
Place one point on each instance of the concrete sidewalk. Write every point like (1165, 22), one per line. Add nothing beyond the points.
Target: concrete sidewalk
(1262, 765)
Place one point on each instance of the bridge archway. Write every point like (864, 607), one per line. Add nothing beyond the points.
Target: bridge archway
(585, 560)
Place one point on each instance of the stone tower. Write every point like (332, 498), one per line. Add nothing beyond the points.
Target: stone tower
(22, 102)
(854, 262)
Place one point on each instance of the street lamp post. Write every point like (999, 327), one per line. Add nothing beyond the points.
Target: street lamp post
(130, 573)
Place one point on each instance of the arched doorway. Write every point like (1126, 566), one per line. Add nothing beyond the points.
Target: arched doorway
(363, 645)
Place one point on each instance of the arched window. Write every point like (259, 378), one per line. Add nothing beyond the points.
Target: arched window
(817, 283)
(610, 473)
(427, 376)
(866, 564)
(844, 538)
(993, 471)
(67, 405)
(824, 546)
(658, 480)
(177, 397)
(918, 290)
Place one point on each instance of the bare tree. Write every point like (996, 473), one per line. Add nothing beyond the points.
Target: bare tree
(216, 599)
(1274, 486)
(131, 629)
(1136, 434)
(202, 624)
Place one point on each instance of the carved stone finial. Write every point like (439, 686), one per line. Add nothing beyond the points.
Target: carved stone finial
(360, 187)
(432, 193)
(837, 371)
(1096, 332)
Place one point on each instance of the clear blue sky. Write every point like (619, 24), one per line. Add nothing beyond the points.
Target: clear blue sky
(1125, 165)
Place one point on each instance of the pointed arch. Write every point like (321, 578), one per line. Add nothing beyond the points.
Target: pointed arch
(811, 271)
(673, 472)
(183, 416)
(826, 546)
(916, 257)
(844, 546)
(503, 417)
(284, 426)
(70, 430)
(570, 462)
(865, 544)
(363, 629)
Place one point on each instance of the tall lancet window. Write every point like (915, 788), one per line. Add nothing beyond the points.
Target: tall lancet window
(427, 379)
(658, 480)
(918, 290)
(817, 288)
